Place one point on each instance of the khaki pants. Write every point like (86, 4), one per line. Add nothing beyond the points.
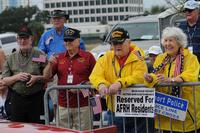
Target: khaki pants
(73, 118)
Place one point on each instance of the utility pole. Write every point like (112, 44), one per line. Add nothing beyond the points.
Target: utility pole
(28, 7)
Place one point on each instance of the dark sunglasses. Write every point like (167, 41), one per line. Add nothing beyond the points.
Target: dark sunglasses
(188, 10)
(116, 43)
(69, 40)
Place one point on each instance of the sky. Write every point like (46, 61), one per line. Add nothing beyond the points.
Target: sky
(147, 3)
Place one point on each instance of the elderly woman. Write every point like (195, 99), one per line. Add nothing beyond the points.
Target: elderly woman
(23, 73)
(176, 65)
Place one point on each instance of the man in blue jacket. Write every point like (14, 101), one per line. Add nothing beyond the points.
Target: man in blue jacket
(51, 41)
(192, 26)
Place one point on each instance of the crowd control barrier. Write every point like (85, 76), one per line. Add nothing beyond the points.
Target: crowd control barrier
(193, 85)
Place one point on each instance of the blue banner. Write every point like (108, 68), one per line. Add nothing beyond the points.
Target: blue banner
(171, 101)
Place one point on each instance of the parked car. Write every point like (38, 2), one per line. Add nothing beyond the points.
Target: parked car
(8, 42)
(143, 31)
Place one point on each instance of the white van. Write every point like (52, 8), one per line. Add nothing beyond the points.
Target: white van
(8, 42)
(143, 31)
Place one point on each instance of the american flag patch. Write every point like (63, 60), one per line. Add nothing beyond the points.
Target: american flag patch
(41, 58)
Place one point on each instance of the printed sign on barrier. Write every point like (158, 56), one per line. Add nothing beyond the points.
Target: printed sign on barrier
(135, 102)
(171, 106)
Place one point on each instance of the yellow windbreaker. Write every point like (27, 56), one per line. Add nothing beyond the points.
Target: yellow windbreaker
(189, 74)
(107, 70)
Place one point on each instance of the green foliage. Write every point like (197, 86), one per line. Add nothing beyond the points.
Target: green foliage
(37, 29)
(42, 16)
(12, 18)
(157, 9)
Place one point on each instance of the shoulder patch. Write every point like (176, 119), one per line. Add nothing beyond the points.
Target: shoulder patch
(48, 40)
(138, 54)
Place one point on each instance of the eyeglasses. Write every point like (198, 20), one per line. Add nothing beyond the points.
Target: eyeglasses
(188, 10)
(116, 43)
(23, 38)
(69, 40)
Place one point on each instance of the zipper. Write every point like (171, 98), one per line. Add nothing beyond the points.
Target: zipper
(169, 69)
(190, 116)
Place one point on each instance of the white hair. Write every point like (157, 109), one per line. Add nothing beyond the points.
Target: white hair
(177, 33)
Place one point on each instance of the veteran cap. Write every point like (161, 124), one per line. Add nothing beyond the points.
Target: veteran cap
(119, 35)
(71, 34)
(59, 13)
(24, 31)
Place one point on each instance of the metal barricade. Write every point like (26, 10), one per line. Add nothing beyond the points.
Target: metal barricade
(193, 85)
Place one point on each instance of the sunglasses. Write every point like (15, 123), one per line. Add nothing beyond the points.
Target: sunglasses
(188, 10)
(116, 43)
(69, 40)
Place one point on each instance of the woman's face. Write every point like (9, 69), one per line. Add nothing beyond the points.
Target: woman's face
(171, 46)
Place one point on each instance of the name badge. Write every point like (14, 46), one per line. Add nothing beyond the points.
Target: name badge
(70, 79)
(190, 48)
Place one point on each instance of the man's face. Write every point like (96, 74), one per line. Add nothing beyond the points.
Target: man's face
(72, 45)
(152, 57)
(25, 42)
(58, 22)
(121, 49)
(191, 14)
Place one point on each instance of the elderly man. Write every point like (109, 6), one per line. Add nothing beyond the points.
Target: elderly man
(23, 73)
(72, 67)
(192, 26)
(51, 41)
(117, 69)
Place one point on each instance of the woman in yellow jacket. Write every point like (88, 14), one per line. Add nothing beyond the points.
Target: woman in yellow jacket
(176, 65)
(117, 69)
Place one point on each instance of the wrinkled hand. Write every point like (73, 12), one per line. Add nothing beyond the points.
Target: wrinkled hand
(74, 91)
(32, 81)
(162, 79)
(115, 87)
(53, 59)
(148, 77)
(22, 76)
(2, 85)
(103, 89)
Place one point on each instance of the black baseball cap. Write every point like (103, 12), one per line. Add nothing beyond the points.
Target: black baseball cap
(71, 34)
(24, 31)
(119, 35)
(59, 13)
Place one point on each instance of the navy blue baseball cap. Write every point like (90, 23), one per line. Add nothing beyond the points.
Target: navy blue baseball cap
(71, 34)
(24, 31)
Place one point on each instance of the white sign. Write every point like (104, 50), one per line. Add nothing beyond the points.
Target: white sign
(171, 106)
(135, 102)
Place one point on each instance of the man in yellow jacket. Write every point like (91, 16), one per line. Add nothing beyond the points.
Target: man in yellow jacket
(117, 69)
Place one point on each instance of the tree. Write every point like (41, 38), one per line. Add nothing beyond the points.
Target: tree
(12, 18)
(43, 17)
(157, 9)
(37, 29)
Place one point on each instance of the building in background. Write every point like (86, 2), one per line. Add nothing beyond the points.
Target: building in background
(96, 11)
(4, 4)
